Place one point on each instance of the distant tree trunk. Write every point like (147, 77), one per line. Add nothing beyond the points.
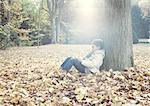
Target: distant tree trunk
(9, 14)
(53, 30)
(136, 22)
(52, 8)
(118, 39)
(57, 28)
(5, 15)
(2, 13)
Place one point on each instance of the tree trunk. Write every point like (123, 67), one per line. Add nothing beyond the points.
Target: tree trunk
(57, 29)
(136, 22)
(9, 14)
(53, 31)
(5, 16)
(2, 13)
(52, 8)
(118, 39)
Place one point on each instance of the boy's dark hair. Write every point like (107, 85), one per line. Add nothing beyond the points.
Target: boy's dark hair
(98, 43)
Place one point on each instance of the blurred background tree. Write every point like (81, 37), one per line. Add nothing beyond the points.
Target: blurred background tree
(140, 19)
(40, 22)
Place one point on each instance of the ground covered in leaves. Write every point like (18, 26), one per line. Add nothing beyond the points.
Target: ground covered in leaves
(30, 76)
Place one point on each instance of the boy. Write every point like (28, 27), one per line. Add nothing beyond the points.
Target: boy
(91, 63)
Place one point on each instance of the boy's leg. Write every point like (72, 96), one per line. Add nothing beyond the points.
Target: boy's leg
(64, 63)
(67, 65)
(69, 62)
(77, 64)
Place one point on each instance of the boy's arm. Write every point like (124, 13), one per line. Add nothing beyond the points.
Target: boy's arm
(87, 56)
(96, 61)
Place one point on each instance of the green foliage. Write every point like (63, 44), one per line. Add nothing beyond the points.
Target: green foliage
(25, 17)
(4, 39)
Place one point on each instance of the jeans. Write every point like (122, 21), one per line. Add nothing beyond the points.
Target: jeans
(70, 62)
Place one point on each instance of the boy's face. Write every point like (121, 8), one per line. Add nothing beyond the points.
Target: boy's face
(94, 47)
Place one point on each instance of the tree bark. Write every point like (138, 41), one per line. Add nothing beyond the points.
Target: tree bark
(118, 39)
